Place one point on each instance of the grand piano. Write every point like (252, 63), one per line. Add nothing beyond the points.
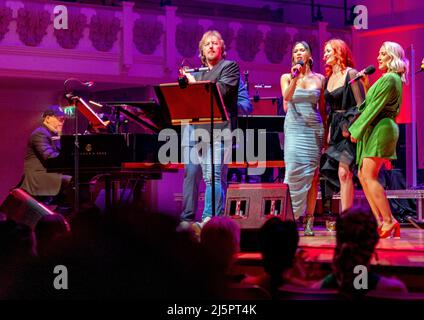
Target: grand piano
(104, 154)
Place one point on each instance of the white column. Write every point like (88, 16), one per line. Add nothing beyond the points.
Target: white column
(127, 35)
(170, 31)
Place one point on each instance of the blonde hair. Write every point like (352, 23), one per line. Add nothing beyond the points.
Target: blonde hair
(398, 62)
(203, 40)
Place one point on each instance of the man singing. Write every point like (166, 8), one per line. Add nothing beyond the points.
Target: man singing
(227, 76)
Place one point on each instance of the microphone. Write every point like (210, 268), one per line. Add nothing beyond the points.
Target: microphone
(201, 69)
(263, 86)
(73, 84)
(295, 73)
(182, 79)
(88, 83)
(421, 68)
(368, 70)
(71, 97)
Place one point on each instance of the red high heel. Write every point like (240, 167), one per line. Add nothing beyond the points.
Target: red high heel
(394, 231)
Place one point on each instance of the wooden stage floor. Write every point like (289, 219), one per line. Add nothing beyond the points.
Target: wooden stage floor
(408, 251)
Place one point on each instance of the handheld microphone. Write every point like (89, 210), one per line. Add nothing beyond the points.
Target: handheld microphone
(201, 69)
(421, 68)
(296, 72)
(182, 79)
(368, 70)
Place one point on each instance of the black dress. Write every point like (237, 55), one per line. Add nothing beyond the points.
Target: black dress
(342, 113)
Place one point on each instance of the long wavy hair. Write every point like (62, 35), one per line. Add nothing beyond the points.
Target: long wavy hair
(398, 62)
(207, 34)
(356, 238)
(342, 54)
(344, 58)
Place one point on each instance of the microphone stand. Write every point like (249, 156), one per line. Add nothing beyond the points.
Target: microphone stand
(246, 83)
(117, 119)
(76, 163)
(74, 99)
(212, 151)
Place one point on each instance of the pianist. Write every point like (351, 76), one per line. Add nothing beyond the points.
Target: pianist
(44, 143)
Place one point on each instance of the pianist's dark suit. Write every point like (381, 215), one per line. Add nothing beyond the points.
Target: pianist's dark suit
(43, 144)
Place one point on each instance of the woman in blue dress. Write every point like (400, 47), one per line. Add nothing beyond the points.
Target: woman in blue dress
(303, 96)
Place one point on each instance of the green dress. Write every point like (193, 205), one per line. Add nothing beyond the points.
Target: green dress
(375, 129)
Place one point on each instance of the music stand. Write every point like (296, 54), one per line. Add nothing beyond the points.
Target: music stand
(273, 125)
(96, 121)
(151, 106)
(198, 103)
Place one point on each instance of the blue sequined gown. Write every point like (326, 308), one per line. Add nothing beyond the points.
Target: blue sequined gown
(303, 132)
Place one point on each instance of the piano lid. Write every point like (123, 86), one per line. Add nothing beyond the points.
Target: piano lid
(147, 114)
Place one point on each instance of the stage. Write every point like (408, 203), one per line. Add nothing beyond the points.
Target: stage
(403, 258)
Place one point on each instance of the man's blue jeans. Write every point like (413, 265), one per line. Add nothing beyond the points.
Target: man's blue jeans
(192, 176)
(221, 170)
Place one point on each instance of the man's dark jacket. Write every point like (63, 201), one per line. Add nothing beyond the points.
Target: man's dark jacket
(43, 144)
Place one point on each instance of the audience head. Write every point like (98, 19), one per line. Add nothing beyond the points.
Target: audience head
(48, 229)
(356, 238)
(17, 242)
(220, 238)
(278, 242)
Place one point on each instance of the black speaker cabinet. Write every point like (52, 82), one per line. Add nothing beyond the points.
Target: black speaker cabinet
(22, 208)
(250, 205)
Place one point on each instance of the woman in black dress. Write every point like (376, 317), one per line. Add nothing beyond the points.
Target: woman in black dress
(343, 98)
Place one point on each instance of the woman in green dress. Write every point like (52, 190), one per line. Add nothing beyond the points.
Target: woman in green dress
(376, 132)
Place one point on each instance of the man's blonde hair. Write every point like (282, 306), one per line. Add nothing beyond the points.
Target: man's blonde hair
(203, 41)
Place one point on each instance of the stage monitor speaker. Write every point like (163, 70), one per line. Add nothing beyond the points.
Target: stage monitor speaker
(22, 208)
(250, 205)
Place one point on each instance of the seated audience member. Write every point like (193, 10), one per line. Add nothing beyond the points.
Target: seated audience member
(17, 249)
(49, 229)
(357, 237)
(123, 255)
(220, 239)
(278, 242)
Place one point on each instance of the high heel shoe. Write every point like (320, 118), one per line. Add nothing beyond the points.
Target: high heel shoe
(394, 231)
